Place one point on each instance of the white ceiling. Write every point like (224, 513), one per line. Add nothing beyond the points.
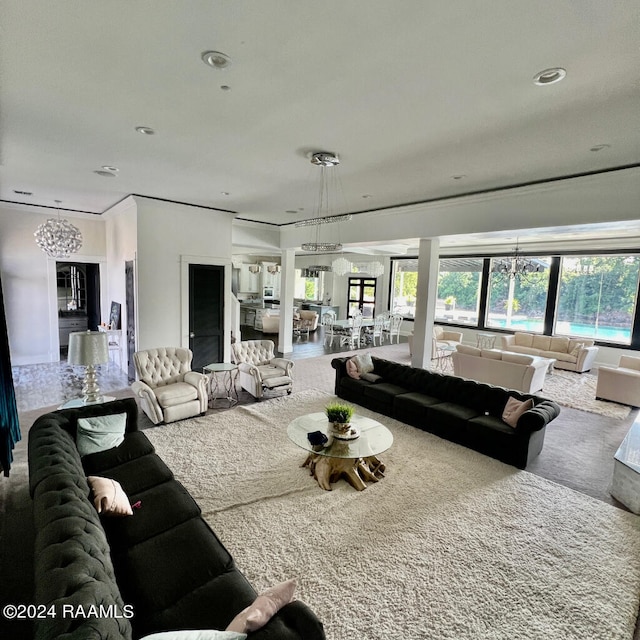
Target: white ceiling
(409, 94)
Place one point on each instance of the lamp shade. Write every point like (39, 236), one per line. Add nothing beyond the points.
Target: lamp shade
(88, 348)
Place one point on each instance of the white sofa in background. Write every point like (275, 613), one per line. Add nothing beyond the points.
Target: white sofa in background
(620, 384)
(501, 368)
(573, 354)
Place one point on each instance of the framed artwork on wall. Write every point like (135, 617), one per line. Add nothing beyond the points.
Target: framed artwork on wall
(114, 316)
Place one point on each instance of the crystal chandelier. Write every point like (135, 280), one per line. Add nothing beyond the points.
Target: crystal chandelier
(517, 266)
(58, 238)
(325, 161)
(342, 266)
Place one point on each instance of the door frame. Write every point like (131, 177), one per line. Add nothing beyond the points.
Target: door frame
(353, 276)
(185, 261)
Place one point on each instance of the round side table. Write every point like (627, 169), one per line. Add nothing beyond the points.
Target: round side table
(222, 378)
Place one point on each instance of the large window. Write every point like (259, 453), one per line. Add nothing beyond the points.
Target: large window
(592, 296)
(597, 297)
(404, 286)
(518, 301)
(458, 295)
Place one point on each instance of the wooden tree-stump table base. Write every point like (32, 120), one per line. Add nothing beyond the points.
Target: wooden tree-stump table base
(356, 471)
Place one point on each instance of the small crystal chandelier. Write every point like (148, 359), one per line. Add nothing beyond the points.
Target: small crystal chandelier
(325, 161)
(58, 238)
(516, 267)
(342, 266)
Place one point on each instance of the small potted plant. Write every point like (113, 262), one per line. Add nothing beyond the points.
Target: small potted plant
(339, 416)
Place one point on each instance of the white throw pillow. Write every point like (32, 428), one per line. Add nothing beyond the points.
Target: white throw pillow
(196, 634)
(364, 363)
(109, 498)
(100, 433)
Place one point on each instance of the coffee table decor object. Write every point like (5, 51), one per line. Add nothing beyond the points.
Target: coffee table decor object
(339, 416)
(355, 460)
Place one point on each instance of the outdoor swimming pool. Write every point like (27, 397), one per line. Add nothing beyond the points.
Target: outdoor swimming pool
(607, 334)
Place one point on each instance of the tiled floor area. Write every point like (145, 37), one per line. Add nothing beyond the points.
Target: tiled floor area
(48, 384)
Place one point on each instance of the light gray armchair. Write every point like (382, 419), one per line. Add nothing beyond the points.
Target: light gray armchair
(167, 387)
(259, 369)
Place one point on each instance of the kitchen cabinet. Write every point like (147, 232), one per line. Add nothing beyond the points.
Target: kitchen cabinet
(68, 324)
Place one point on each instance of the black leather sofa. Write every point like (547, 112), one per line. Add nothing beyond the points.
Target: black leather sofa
(463, 411)
(161, 569)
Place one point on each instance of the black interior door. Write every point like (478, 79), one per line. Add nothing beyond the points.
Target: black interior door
(206, 319)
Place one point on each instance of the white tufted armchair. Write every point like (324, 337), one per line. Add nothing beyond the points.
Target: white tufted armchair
(167, 387)
(259, 369)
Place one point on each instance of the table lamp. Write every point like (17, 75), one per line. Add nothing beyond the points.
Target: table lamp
(89, 348)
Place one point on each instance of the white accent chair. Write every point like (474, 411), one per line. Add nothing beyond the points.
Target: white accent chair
(167, 388)
(259, 369)
(620, 384)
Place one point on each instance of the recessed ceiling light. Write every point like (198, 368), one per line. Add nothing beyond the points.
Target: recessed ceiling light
(367, 195)
(107, 167)
(22, 193)
(105, 174)
(225, 87)
(147, 131)
(460, 176)
(216, 59)
(225, 193)
(549, 76)
(290, 211)
(600, 147)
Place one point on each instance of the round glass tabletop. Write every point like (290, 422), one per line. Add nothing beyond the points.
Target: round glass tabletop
(374, 438)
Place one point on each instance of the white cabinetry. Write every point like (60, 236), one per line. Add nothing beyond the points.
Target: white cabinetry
(249, 282)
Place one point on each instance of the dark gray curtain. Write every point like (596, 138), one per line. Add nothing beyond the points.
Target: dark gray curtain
(9, 425)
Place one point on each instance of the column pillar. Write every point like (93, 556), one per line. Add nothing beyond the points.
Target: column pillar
(287, 291)
(426, 292)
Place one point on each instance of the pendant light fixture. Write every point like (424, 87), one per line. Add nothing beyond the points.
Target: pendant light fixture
(516, 266)
(327, 162)
(58, 238)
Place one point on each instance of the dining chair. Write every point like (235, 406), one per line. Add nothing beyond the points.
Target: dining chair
(330, 332)
(353, 335)
(395, 322)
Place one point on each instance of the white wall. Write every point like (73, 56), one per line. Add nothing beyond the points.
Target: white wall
(28, 279)
(121, 242)
(169, 236)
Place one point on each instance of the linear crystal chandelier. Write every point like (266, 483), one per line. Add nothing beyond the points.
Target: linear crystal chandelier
(326, 161)
(58, 238)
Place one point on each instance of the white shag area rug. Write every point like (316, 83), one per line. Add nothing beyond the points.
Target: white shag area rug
(450, 544)
(578, 391)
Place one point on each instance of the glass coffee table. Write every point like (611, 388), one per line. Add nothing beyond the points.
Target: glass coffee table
(355, 460)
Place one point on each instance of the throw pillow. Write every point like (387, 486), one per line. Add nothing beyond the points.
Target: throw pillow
(352, 369)
(514, 409)
(576, 350)
(100, 433)
(108, 497)
(364, 363)
(196, 634)
(263, 608)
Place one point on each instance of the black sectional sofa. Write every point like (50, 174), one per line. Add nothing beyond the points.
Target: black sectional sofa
(161, 569)
(460, 410)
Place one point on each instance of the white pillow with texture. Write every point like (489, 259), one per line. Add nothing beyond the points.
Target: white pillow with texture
(364, 363)
(100, 433)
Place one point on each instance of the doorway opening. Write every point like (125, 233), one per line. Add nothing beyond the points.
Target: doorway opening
(78, 298)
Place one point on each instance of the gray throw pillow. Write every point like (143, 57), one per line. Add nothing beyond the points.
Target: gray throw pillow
(100, 433)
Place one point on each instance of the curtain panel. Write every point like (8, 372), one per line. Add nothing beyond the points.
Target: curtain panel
(9, 425)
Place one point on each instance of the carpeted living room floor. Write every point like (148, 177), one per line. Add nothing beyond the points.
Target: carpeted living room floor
(578, 453)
